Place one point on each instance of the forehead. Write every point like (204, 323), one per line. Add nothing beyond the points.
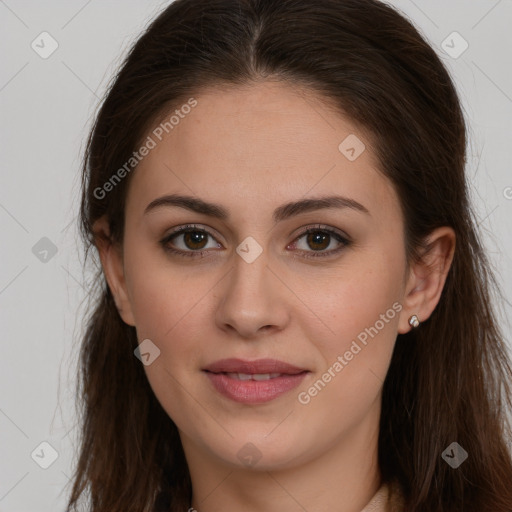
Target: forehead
(269, 142)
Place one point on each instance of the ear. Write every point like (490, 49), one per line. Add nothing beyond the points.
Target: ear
(427, 277)
(111, 257)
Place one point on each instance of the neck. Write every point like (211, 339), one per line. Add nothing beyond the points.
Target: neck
(343, 478)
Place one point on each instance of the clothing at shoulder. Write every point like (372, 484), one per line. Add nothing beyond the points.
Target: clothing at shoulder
(388, 498)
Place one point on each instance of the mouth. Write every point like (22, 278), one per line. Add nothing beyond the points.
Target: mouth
(253, 382)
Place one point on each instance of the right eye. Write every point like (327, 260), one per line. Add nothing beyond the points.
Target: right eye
(191, 241)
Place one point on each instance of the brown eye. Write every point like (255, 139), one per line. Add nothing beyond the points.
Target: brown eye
(194, 239)
(188, 241)
(318, 239)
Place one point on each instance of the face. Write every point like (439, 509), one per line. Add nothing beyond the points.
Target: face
(248, 282)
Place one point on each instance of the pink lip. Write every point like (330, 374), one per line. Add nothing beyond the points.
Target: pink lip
(258, 366)
(251, 391)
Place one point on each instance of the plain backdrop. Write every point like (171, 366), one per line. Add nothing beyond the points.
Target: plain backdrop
(47, 103)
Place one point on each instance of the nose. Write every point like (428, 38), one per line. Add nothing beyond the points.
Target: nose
(253, 300)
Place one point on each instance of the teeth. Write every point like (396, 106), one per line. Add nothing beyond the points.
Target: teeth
(262, 376)
(256, 376)
(240, 376)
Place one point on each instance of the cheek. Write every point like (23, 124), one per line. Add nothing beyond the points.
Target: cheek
(168, 309)
(355, 296)
(161, 297)
(360, 305)
(363, 313)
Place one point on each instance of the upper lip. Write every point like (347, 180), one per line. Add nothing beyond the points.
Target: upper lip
(259, 366)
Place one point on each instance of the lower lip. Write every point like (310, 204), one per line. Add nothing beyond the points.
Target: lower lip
(254, 391)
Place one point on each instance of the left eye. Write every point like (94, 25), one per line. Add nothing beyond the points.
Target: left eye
(193, 241)
(319, 240)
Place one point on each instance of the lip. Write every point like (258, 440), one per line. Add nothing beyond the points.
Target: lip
(254, 391)
(257, 366)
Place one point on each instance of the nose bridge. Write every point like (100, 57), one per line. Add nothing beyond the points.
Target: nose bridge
(251, 294)
(248, 281)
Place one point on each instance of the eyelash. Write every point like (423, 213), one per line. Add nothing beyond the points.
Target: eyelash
(191, 228)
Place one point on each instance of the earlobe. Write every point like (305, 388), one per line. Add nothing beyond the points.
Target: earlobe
(427, 278)
(112, 262)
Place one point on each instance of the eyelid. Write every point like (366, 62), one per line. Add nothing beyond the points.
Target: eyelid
(322, 227)
(193, 227)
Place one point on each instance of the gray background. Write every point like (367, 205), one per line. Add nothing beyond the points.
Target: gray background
(46, 107)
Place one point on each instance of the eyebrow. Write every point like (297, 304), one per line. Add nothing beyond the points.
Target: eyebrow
(281, 213)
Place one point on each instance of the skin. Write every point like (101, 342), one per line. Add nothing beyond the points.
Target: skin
(252, 149)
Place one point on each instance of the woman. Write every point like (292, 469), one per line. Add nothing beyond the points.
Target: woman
(295, 306)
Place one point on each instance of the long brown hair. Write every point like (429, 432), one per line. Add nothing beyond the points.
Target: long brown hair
(449, 381)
